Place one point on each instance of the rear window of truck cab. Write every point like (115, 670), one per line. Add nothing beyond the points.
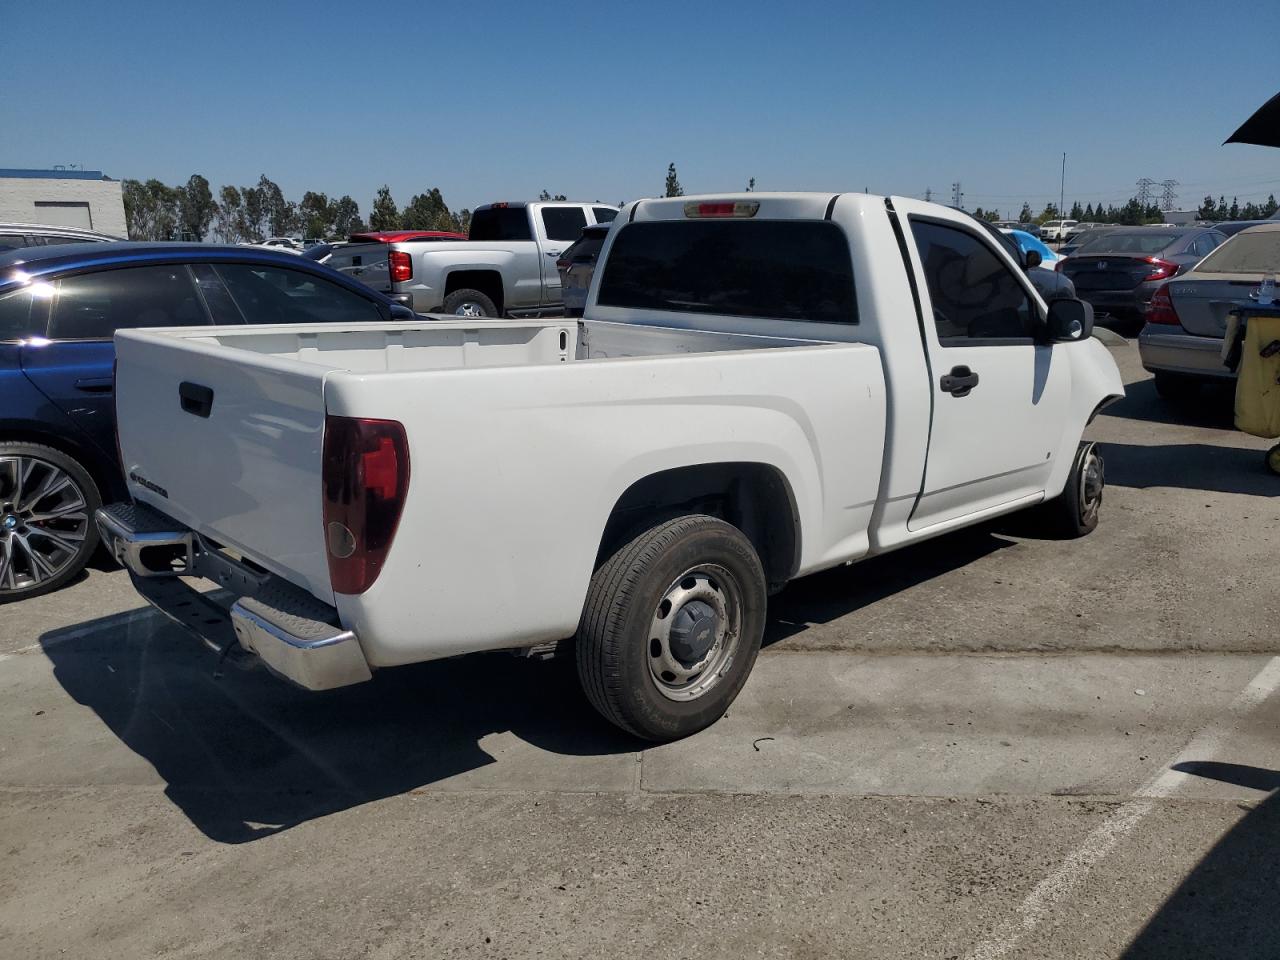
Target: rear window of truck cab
(781, 269)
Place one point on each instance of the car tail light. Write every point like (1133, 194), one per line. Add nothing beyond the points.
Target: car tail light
(1161, 310)
(401, 266)
(1160, 269)
(562, 264)
(742, 208)
(365, 478)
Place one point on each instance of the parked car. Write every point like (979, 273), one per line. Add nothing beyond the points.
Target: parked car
(577, 265)
(1055, 230)
(59, 308)
(1026, 243)
(1078, 239)
(733, 411)
(1229, 228)
(1182, 341)
(16, 236)
(507, 267)
(1048, 283)
(1119, 271)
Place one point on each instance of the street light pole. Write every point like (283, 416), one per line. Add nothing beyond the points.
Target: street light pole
(1062, 189)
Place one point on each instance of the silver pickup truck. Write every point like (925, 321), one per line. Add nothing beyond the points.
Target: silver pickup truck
(506, 267)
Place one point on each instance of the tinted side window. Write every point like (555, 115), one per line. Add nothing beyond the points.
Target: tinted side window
(783, 269)
(93, 306)
(975, 296)
(605, 214)
(22, 314)
(12, 241)
(500, 223)
(215, 294)
(267, 294)
(563, 223)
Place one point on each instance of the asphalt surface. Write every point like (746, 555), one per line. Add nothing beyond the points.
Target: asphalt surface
(991, 745)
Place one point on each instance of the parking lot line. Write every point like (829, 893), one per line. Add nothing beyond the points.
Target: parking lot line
(1107, 835)
(119, 620)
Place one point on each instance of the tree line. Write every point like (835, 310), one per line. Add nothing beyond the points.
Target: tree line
(156, 211)
(1135, 213)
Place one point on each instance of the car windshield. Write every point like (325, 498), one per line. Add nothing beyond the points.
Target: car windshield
(1146, 243)
(1248, 252)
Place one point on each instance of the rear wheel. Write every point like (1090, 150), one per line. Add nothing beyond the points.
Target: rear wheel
(671, 627)
(47, 535)
(1273, 459)
(1176, 388)
(469, 303)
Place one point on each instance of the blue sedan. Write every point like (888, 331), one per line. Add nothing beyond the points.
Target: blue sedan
(59, 309)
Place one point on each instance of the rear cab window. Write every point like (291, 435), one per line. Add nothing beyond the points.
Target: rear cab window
(778, 269)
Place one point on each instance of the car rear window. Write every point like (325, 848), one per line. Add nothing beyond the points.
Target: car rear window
(784, 269)
(1147, 243)
(1245, 253)
(500, 223)
(589, 246)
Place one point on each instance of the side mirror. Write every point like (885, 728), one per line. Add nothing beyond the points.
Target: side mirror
(1069, 320)
(1034, 259)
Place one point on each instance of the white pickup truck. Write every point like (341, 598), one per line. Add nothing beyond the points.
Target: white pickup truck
(762, 386)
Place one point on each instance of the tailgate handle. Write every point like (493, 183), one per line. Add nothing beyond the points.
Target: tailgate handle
(195, 399)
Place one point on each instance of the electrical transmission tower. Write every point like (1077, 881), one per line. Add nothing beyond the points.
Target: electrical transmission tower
(957, 196)
(1144, 191)
(1168, 198)
(928, 194)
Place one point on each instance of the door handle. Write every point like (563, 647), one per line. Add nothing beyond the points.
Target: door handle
(195, 398)
(95, 384)
(554, 253)
(959, 381)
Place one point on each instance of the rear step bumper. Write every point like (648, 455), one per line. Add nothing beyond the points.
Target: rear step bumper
(289, 630)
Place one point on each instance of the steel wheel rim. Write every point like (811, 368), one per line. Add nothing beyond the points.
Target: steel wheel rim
(1092, 480)
(469, 309)
(44, 521)
(711, 595)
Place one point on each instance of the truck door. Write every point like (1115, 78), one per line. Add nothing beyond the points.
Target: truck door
(999, 397)
(557, 226)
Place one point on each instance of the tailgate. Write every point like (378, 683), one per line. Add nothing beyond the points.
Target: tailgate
(366, 262)
(227, 442)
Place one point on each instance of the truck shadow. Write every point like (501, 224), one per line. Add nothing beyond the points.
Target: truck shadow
(1191, 466)
(1213, 406)
(1229, 905)
(245, 755)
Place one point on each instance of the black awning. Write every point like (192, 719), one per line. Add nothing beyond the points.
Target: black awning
(1263, 128)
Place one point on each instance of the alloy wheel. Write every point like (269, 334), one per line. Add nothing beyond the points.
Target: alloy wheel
(44, 520)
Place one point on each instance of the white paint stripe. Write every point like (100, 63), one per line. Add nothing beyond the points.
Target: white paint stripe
(1103, 838)
(119, 620)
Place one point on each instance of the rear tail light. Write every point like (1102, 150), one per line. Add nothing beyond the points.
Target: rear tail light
(365, 478)
(741, 208)
(1160, 269)
(1161, 310)
(401, 266)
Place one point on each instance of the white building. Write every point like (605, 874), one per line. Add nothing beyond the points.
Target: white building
(66, 198)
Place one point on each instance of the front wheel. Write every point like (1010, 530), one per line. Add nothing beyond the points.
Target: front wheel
(47, 501)
(671, 627)
(469, 303)
(1074, 512)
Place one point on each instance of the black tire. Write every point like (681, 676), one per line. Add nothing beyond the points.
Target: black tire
(618, 663)
(460, 299)
(1074, 512)
(1273, 459)
(1176, 388)
(19, 579)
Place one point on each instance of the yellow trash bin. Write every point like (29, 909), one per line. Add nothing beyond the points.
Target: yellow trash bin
(1258, 381)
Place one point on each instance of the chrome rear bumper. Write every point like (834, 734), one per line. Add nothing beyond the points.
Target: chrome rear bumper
(286, 628)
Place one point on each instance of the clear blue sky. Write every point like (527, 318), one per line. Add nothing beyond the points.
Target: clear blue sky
(497, 100)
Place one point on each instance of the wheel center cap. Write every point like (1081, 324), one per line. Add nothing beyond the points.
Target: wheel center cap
(693, 632)
(10, 522)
